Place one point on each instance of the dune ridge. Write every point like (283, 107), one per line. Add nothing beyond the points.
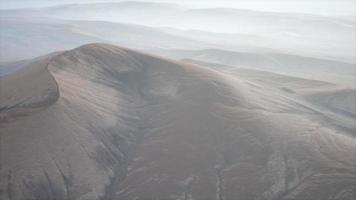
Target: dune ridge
(127, 125)
(25, 94)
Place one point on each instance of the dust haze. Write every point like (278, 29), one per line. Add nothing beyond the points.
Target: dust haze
(177, 100)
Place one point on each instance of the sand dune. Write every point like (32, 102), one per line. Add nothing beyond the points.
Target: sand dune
(28, 88)
(120, 124)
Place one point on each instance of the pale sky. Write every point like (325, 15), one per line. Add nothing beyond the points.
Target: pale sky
(320, 7)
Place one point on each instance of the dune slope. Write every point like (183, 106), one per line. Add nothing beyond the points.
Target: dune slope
(126, 125)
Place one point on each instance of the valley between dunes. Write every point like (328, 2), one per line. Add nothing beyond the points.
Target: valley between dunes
(106, 122)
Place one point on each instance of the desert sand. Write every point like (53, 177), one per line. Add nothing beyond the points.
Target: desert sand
(106, 122)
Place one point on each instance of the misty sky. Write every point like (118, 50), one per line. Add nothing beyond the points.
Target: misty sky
(321, 7)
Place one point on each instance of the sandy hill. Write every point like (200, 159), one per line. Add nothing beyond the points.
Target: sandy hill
(104, 122)
(336, 102)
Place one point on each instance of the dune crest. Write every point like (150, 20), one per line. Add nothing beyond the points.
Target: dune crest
(126, 125)
(28, 89)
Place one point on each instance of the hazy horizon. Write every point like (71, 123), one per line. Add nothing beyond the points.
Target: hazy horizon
(317, 7)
